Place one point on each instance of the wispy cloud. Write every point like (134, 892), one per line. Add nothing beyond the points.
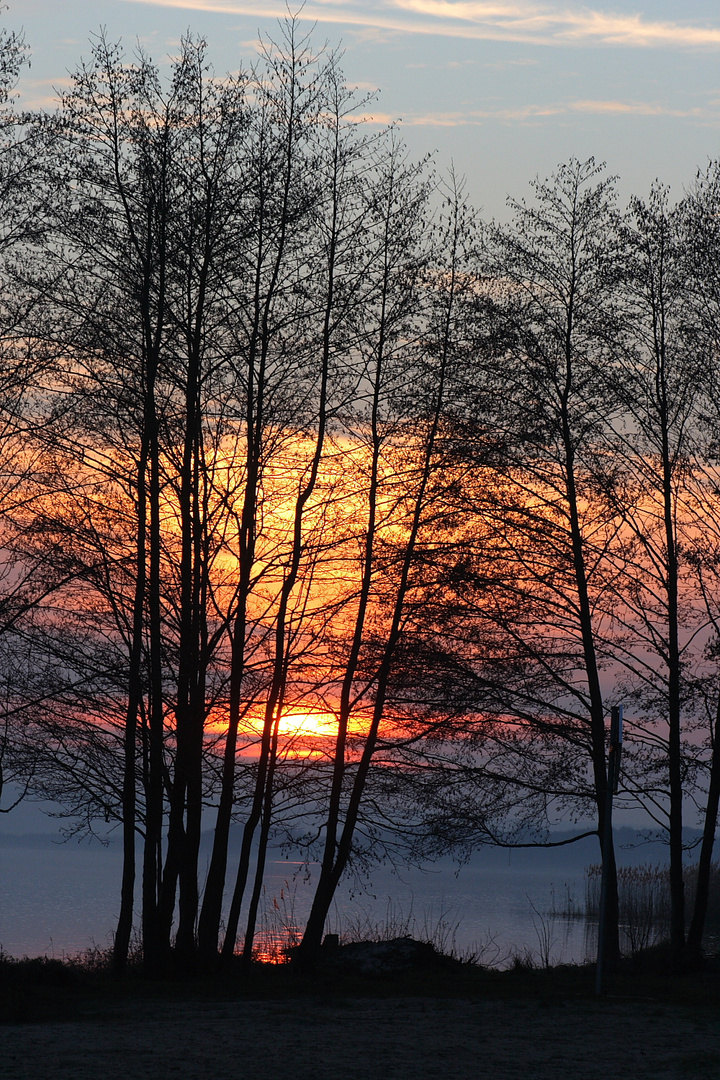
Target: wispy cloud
(633, 108)
(522, 21)
(536, 113)
(375, 119)
(42, 93)
(552, 24)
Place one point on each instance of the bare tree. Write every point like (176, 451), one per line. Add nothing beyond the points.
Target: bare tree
(407, 378)
(653, 448)
(699, 260)
(529, 578)
(27, 573)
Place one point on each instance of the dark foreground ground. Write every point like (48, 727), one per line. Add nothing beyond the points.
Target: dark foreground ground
(454, 1023)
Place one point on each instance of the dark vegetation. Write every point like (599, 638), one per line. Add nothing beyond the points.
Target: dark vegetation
(334, 516)
(41, 990)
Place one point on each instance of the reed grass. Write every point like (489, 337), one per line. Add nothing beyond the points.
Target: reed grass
(644, 902)
(279, 930)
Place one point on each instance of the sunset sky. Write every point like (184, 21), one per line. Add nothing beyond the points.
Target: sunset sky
(505, 90)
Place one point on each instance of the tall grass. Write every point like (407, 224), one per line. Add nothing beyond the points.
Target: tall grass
(644, 896)
(644, 902)
(279, 930)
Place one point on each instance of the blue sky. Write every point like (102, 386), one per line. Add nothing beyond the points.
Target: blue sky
(505, 90)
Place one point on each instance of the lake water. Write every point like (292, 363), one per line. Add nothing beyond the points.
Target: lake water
(60, 899)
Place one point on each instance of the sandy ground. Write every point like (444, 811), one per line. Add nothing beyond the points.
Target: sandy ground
(390, 1039)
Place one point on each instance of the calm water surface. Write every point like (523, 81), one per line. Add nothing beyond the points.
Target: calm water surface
(60, 899)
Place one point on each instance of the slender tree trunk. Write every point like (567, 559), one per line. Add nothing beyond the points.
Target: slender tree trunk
(324, 891)
(597, 719)
(597, 710)
(255, 425)
(211, 913)
(265, 823)
(281, 648)
(135, 691)
(266, 767)
(185, 820)
(155, 943)
(155, 933)
(185, 801)
(702, 892)
(337, 853)
(660, 250)
(677, 884)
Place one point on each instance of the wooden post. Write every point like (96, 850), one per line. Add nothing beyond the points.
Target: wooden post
(613, 775)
